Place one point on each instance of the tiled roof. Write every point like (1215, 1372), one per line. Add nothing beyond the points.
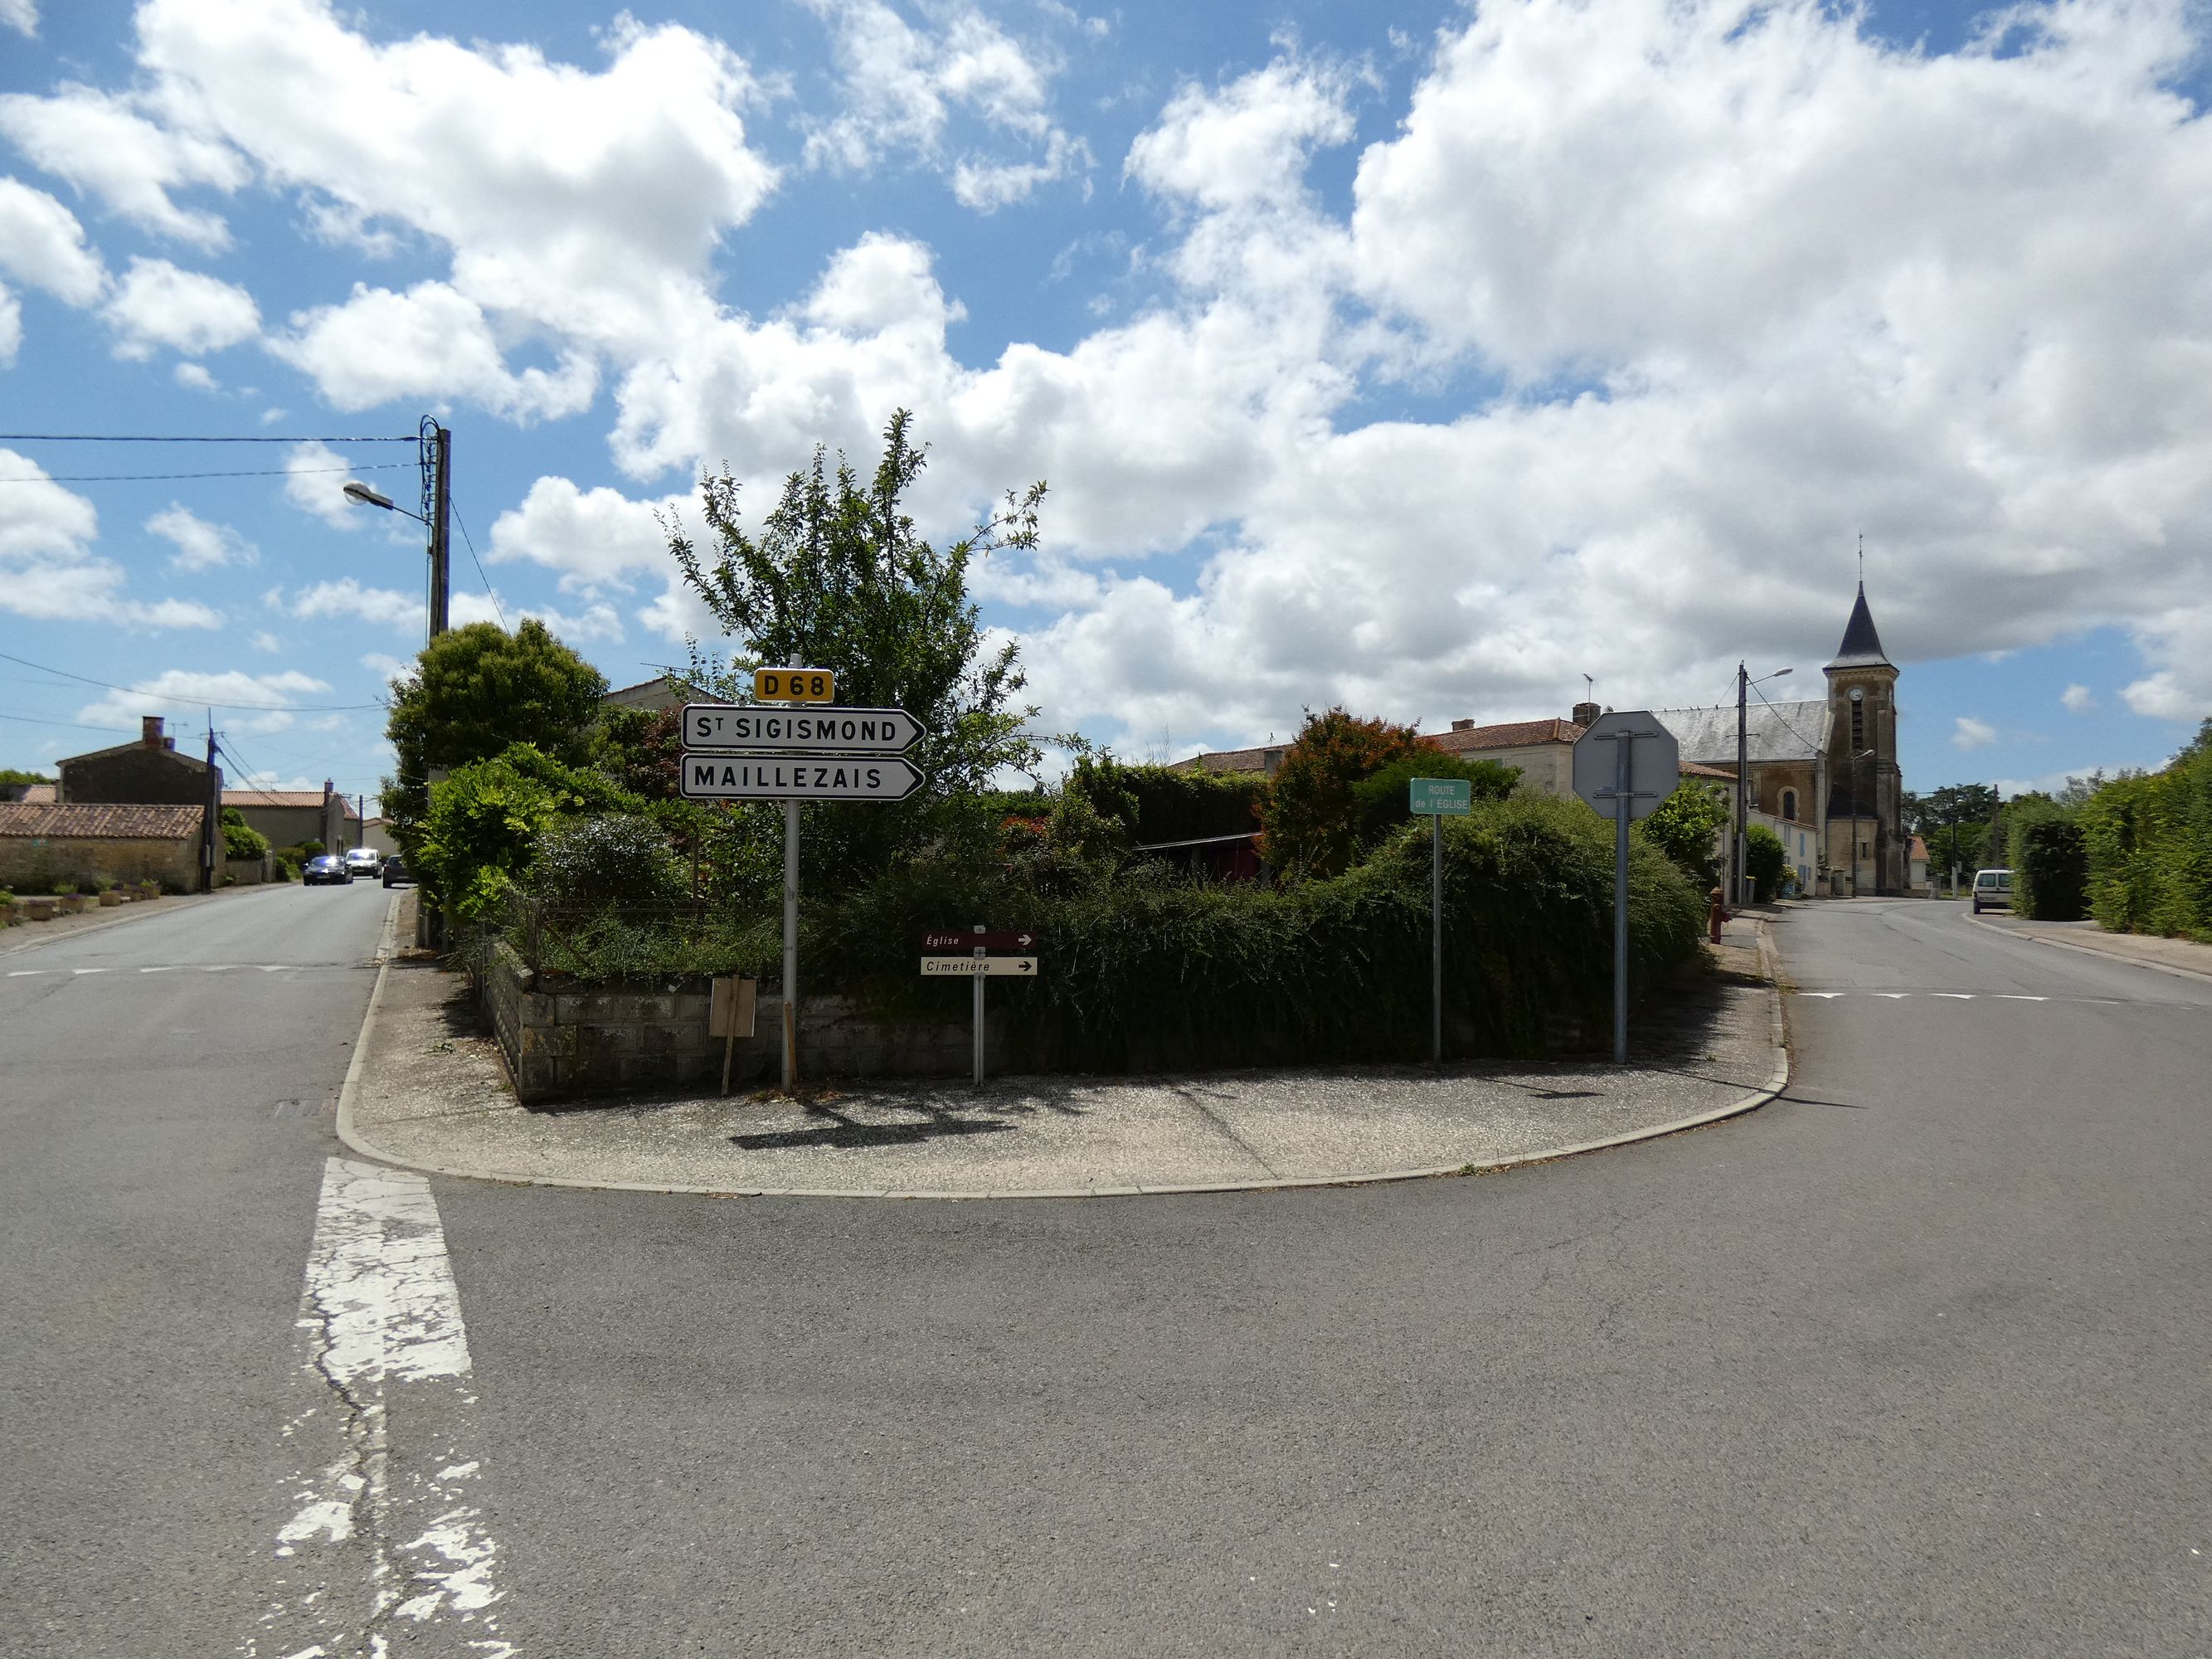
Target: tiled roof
(1699, 769)
(1772, 730)
(134, 745)
(1515, 734)
(1228, 760)
(275, 798)
(75, 821)
(39, 794)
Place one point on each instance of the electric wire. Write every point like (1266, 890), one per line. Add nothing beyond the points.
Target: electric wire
(475, 561)
(252, 472)
(123, 437)
(250, 707)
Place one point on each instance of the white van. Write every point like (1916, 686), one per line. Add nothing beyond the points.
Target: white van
(1992, 891)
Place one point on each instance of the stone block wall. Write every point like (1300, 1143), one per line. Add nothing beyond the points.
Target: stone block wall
(29, 864)
(565, 1044)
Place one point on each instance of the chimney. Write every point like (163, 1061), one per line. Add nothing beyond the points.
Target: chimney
(330, 785)
(1585, 713)
(1462, 725)
(149, 731)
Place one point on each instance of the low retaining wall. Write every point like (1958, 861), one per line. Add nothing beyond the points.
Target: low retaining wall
(564, 1044)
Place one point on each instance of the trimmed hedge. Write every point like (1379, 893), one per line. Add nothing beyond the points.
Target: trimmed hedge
(2050, 870)
(1152, 972)
(2150, 848)
(1158, 805)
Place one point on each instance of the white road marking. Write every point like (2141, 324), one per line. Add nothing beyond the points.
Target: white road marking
(1956, 996)
(158, 970)
(1894, 996)
(1824, 994)
(87, 970)
(378, 1533)
(2014, 996)
(24, 973)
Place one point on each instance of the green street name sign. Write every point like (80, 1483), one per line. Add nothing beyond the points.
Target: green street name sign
(1451, 797)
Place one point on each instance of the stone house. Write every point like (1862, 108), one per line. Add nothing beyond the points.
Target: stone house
(290, 817)
(43, 843)
(149, 772)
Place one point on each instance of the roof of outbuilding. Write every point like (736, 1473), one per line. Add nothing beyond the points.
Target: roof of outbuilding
(1229, 760)
(136, 746)
(277, 798)
(1772, 731)
(1513, 734)
(91, 820)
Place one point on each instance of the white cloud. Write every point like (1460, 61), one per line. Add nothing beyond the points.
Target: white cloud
(2179, 688)
(158, 305)
(315, 481)
(233, 694)
(393, 668)
(464, 608)
(431, 341)
(11, 327)
(593, 538)
(129, 153)
(595, 624)
(265, 640)
(47, 569)
(901, 87)
(1967, 732)
(22, 15)
(200, 545)
(2078, 700)
(41, 243)
(194, 378)
(1246, 143)
(347, 597)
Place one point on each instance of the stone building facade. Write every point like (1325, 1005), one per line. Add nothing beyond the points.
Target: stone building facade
(147, 772)
(43, 844)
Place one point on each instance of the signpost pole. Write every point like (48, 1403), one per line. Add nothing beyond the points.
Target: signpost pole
(980, 954)
(1435, 939)
(1621, 807)
(791, 936)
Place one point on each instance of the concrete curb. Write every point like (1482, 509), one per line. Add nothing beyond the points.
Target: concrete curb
(1778, 1080)
(2089, 951)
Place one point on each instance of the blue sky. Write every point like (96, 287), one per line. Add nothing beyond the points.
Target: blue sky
(1424, 358)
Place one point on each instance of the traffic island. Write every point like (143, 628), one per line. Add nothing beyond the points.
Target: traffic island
(432, 1094)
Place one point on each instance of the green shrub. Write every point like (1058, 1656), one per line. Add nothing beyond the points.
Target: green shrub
(1150, 971)
(1685, 827)
(620, 861)
(311, 849)
(2149, 847)
(1158, 805)
(240, 840)
(1311, 819)
(1766, 860)
(2050, 870)
(485, 820)
(1382, 803)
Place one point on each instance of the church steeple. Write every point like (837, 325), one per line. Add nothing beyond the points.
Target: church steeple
(1862, 646)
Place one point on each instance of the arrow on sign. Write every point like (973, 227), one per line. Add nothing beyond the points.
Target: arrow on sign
(797, 777)
(800, 731)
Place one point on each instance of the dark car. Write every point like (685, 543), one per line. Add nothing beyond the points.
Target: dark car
(395, 870)
(326, 868)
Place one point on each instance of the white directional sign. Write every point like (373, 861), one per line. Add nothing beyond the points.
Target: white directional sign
(1655, 762)
(800, 731)
(979, 967)
(781, 777)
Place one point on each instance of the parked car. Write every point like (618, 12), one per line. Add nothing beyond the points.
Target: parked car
(1992, 891)
(326, 868)
(364, 860)
(395, 870)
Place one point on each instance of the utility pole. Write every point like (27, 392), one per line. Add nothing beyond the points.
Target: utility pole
(1739, 853)
(440, 440)
(210, 814)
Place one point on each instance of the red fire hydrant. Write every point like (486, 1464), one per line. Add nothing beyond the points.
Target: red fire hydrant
(1719, 916)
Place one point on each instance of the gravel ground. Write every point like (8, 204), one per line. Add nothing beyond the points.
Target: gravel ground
(434, 1094)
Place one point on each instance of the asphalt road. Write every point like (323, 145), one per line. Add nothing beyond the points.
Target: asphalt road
(1914, 1361)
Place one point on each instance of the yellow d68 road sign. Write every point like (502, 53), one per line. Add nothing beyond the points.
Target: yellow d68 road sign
(794, 685)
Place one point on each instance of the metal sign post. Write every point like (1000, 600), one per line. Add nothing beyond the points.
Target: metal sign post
(980, 955)
(1439, 798)
(1642, 769)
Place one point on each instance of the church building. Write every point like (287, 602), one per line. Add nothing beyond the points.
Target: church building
(1828, 763)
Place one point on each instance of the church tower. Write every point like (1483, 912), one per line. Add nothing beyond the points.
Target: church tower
(1865, 830)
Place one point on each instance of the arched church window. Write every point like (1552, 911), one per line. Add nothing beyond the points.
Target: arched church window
(1789, 805)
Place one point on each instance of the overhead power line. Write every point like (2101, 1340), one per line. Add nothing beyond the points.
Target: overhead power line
(475, 561)
(127, 437)
(255, 472)
(250, 707)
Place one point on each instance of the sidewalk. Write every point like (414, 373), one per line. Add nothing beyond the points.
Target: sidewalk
(431, 1094)
(2174, 955)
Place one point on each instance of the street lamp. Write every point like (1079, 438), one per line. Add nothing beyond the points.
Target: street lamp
(1741, 863)
(434, 446)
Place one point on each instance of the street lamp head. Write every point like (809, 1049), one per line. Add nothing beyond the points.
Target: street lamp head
(368, 497)
(1777, 674)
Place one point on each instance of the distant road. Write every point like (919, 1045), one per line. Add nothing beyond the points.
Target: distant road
(1915, 1360)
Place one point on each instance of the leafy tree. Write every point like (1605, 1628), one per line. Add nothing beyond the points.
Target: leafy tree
(13, 775)
(1686, 827)
(1311, 821)
(642, 750)
(838, 579)
(1766, 860)
(239, 838)
(485, 820)
(476, 690)
(1955, 821)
